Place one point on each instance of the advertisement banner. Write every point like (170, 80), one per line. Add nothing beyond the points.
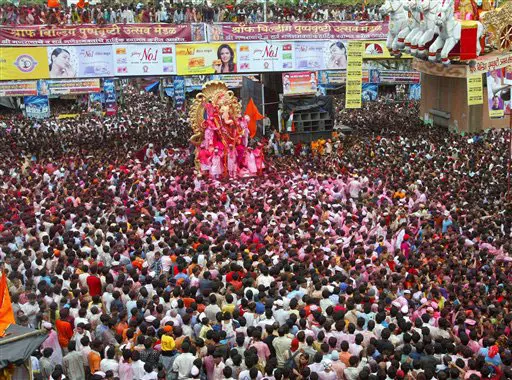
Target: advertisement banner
(179, 93)
(68, 86)
(109, 89)
(89, 34)
(305, 83)
(262, 56)
(495, 86)
(23, 63)
(332, 78)
(37, 107)
(196, 82)
(415, 91)
(232, 81)
(321, 55)
(353, 88)
(197, 59)
(395, 76)
(18, 88)
(475, 90)
(80, 61)
(370, 92)
(297, 31)
(144, 60)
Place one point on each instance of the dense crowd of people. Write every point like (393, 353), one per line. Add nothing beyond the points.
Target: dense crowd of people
(178, 13)
(386, 257)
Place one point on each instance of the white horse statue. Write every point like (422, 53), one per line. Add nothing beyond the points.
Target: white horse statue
(415, 27)
(429, 9)
(398, 22)
(449, 34)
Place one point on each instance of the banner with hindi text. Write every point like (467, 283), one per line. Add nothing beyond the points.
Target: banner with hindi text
(37, 107)
(303, 83)
(18, 88)
(475, 89)
(297, 31)
(90, 34)
(55, 87)
(353, 88)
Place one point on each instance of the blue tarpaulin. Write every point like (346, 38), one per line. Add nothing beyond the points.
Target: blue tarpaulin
(153, 87)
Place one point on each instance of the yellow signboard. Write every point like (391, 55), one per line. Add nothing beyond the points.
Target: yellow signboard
(353, 87)
(475, 90)
(22, 63)
(192, 59)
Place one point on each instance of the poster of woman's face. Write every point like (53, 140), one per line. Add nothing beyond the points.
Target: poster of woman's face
(225, 62)
(337, 56)
(63, 62)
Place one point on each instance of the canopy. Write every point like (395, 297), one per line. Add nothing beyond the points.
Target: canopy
(18, 344)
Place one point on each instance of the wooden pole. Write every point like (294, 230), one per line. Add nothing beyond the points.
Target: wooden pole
(22, 336)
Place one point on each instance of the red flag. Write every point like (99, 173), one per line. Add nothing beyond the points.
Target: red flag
(6, 313)
(53, 3)
(80, 4)
(252, 111)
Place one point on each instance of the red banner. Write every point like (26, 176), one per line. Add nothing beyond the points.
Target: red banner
(297, 31)
(106, 34)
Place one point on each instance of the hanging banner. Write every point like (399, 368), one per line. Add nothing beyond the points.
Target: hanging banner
(495, 87)
(179, 93)
(37, 107)
(144, 60)
(305, 83)
(320, 55)
(353, 88)
(68, 86)
(23, 63)
(89, 34)
(370, 92)
(475, 90)
(332, 78)
(415, 91)
(232, 81)
(18, 88)
(197, 59)
(196, 82)
(297, 31)
(262, 56)
(80, 61)
(110, 97)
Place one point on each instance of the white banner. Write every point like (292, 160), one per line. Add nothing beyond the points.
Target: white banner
(145, 59)
(88, 61)
(320, 55)
(262, 56)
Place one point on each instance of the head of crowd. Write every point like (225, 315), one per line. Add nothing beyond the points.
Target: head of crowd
(100, 14)
(384, 256)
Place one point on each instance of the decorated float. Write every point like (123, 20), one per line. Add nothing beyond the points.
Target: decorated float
(456, 45)
(223, 136)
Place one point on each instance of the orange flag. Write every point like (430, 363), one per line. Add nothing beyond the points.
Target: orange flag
(80, 4)
(53, 3)
(252, 111)
(6, 313)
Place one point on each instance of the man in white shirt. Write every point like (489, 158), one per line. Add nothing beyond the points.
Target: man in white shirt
(184, 362)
